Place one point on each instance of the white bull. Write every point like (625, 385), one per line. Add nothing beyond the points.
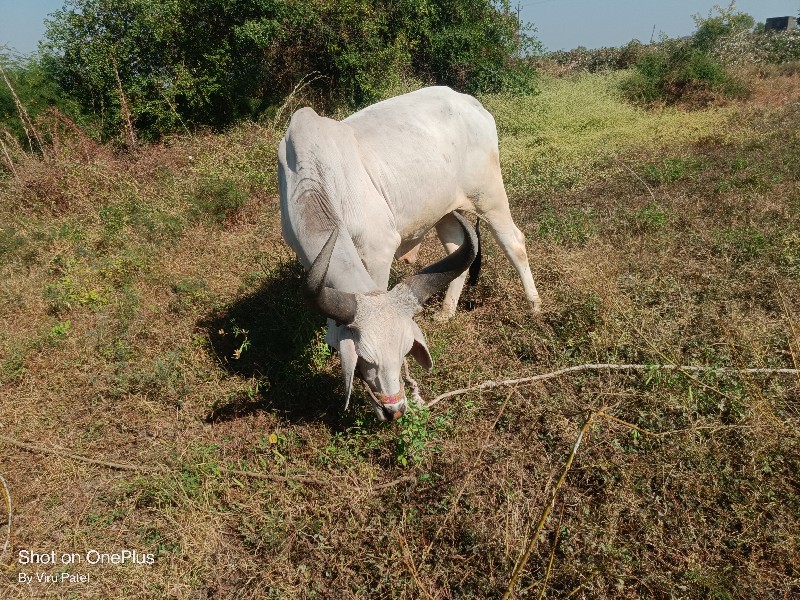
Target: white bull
(358, 193)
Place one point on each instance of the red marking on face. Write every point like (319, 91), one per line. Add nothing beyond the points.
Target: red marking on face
(394, 398)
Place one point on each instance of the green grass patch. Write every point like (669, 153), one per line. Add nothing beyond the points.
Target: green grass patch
(650, 218)
(549, 143)
(216, 200)
(671, 169)
(566, 227)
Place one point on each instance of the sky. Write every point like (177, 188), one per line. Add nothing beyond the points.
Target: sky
(566, 24)
(560, 24)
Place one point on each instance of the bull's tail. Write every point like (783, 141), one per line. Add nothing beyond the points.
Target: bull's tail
(475, 267)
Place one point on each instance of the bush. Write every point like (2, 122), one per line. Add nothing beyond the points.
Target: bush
(688, 70)
(164, 66)
(36, 93)
(747, 48)
(681, 72)
(600, 59)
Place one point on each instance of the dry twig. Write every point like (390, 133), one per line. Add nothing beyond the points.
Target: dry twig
(761, 403)
(552, 556)
(792, 327)
(304, 82)
(642, 181)
(7, 498)
(518, 568)
(126, 111)
(158, 468)
(468, 477)
(408, 559)
(165, 469)
(9, 160)
(487, 385)
(53, 452)
(665, 358)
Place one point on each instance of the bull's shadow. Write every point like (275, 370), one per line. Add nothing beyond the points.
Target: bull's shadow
(268, 337)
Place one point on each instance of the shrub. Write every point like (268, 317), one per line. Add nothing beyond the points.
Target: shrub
(714, 28)
(164, 66)
(582, 59)
(677, 71)
(690, 71)
(747, 47)
(25, 78)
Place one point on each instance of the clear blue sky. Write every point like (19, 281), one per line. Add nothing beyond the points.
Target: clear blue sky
(566, 24)
(561, 24)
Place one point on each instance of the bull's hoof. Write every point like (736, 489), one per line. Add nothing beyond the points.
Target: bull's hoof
(444, 315)
(536, 306)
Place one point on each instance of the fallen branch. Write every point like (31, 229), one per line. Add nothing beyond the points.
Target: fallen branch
(24, 116)
(487, 385)
(156, 468)
(9, 160)
(93, 461)
(126, 111)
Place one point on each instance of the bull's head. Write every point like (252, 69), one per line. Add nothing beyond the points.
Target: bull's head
(377, 329)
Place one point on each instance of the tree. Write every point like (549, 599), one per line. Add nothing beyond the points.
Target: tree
(173, 63)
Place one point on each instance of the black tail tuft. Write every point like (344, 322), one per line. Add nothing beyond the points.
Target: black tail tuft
(475, 267)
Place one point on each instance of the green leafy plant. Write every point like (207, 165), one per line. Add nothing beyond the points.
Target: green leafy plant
(650, 218)
(240, 334)
(59, 330)
(418, 431)
(68, 292)
(188, 293)
(217, 199)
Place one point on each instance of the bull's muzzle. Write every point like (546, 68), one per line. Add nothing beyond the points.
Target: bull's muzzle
(394, 406)
(389, 407)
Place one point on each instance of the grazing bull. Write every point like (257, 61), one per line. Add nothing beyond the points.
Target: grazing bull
(358, 193)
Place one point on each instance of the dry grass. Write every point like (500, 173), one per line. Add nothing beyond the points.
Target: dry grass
(130, 283)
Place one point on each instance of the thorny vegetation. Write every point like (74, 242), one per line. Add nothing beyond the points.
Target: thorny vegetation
(149, 313)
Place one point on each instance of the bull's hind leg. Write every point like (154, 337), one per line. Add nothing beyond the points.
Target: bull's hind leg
(512, 241)
(452, 236)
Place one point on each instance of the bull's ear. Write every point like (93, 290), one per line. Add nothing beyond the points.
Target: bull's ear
(347, 352)
(419, 350)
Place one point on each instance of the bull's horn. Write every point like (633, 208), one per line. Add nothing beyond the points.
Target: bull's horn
(437, 277)
(332, 303)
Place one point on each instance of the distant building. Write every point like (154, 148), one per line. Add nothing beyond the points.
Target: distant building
(780, 24)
